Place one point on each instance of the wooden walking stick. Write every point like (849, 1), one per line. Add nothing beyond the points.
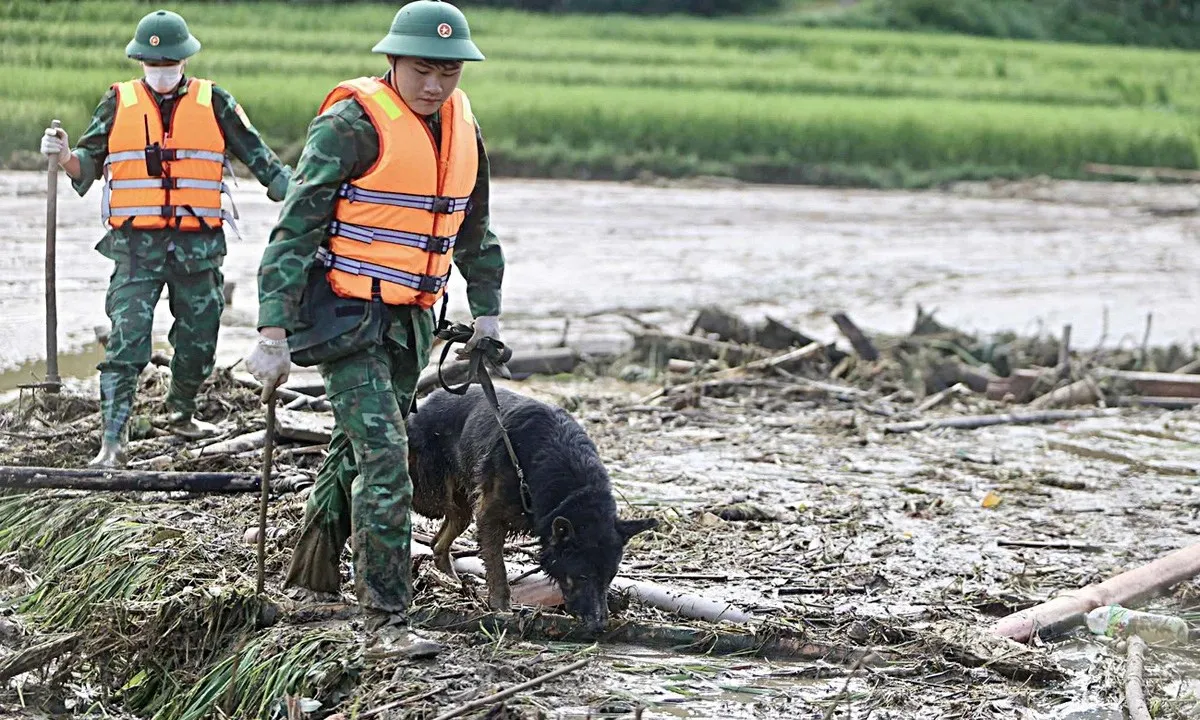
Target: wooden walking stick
(52, 382)
(268, 453)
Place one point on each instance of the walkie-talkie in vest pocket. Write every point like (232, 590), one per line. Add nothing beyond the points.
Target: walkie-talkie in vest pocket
(154, 160)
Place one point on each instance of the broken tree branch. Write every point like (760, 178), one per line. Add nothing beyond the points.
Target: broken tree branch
(32, 658)
(19, 477)
(509, 692)
(285, 395)
(1049, 544)
(862, 346)
(1127, 589)
(1135, 696)
(971, 422)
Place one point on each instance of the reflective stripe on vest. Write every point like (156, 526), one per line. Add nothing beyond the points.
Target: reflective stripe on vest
(432, 203)
(365, 234)
(395, 226)
(187, 196)
(422, 283)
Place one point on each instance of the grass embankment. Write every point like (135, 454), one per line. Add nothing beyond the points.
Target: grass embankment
(610, 97)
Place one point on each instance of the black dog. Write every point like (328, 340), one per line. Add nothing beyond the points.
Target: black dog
(461, 470)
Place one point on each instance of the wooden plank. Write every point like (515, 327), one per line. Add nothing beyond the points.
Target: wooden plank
(1156, 384)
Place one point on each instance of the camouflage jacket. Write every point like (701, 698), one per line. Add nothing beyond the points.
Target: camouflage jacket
(188, 252)
(342, 144)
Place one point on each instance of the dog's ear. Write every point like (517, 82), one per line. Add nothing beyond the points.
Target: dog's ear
(628, 528)
(561, 529)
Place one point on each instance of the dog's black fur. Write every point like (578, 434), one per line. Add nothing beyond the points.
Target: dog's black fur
(461, 470)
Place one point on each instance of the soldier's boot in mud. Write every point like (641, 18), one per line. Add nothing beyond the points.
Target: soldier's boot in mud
(112, 450)
(184, 425)
(388, 635)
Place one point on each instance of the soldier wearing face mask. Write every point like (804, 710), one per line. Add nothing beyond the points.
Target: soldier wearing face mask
(161, 144)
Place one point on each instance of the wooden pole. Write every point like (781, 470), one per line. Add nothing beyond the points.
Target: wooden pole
(53, 381)
(265, 486)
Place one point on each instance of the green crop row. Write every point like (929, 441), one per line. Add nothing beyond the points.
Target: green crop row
(610, 96)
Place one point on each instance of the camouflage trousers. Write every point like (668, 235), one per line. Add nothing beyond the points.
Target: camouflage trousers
(196, 300)
(363, 491)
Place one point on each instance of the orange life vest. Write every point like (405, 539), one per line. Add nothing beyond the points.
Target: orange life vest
(394, 227)
(187, 196)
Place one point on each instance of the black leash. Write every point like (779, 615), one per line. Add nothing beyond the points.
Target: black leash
(488, 349)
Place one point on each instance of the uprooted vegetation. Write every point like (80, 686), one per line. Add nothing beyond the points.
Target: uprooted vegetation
(789, 481)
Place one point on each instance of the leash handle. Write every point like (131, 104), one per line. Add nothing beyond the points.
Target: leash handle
(499, 353)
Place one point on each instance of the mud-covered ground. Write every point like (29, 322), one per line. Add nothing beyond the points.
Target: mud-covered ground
(858, 537)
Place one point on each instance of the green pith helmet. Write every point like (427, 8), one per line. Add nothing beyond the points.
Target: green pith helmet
(162, 35)
(429, 29)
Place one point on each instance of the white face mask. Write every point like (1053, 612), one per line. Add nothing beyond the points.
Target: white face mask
(163, 79)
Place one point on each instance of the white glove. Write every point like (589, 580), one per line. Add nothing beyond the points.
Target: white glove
(486, 326)
(55, 144)
(270, 363)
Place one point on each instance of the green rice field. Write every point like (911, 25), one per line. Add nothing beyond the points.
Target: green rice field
(610, 97)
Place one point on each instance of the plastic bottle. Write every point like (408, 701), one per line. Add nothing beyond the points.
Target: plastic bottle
(1115, 621)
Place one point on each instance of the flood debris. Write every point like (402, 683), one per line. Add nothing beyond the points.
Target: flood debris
(1130, 587)
(809, 560)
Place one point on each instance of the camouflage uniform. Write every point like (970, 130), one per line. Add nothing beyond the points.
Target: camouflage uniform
(187, 262)
(363, 489)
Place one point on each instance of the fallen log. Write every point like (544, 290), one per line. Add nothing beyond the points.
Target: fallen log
(37, 656)
(529, 586)
(543, 361)
(769, 643)
(1127, 590)
(955, 372)
(1019, 384)
(775, 335)
(724, 324)
(237, 444)
(1135, 696)
(1188, 368)
(20, 477)
(304, 426)
(771, 334)
(1156, 384)
(1080, 392)
(858, 340)
(971, 422)
(1166, 403)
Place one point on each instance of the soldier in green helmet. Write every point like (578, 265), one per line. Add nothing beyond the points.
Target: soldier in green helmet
(392, 186)
(161, 143)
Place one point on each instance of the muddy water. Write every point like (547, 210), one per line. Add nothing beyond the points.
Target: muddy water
(988, 257)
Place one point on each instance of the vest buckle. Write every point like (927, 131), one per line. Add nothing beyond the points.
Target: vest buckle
(429, 284)
(442, 204)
